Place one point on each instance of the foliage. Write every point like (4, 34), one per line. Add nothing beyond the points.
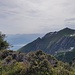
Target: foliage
(33, 63)
(3, 42)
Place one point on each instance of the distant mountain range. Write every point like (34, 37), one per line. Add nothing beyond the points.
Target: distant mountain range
(53, 42)
(19, 40)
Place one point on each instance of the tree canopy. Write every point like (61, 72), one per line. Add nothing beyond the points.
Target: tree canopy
(3, 43)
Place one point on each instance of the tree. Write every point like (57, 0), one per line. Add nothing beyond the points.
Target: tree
(3, 42)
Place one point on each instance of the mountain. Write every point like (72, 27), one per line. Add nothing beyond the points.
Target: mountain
(53, 42)
(19, 40)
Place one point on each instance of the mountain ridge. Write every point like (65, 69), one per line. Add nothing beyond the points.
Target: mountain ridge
(52, 42)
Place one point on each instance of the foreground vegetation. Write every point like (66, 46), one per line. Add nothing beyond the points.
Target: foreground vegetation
(33, 63)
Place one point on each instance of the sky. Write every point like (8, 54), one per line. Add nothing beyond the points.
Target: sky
(36, 16)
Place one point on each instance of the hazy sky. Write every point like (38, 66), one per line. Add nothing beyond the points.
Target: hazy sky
(36, 16)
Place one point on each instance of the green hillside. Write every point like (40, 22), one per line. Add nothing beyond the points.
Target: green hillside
(66, 56)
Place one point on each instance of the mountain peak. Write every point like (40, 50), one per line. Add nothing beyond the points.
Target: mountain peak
(67, 29)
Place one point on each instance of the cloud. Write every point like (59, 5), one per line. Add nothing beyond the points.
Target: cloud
(35, 16)
(71, 19)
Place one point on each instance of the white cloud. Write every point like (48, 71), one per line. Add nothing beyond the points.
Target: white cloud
(35, 16)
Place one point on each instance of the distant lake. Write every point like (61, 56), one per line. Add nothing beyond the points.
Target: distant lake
(20, 40)
(16, 47)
